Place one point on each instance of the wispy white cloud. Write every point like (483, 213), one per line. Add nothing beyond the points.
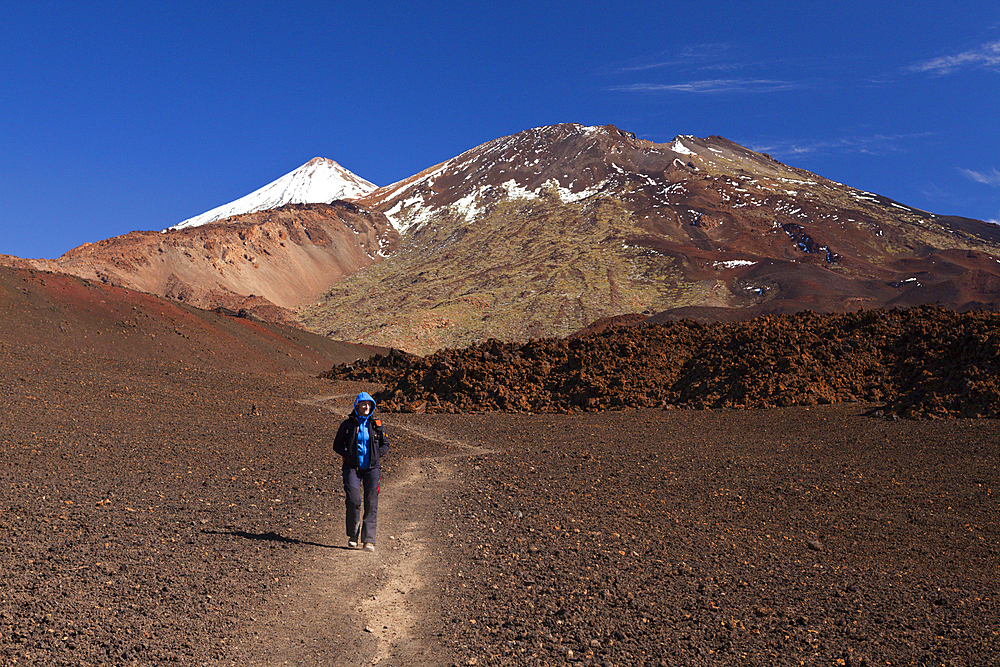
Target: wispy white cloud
(871, 144)
(698, 56)
(723, 58)
(986, 177)
(711, 86)
(986, 56)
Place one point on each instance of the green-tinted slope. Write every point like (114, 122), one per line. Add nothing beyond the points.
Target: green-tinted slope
(524, 268)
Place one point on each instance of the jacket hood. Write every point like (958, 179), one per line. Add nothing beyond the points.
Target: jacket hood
(364, 397)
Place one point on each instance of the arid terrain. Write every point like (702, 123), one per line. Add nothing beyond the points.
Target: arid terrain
(806, 535)
(166, 500)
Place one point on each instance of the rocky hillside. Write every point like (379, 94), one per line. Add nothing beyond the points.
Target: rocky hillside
(541, 233)
(922, 362)
(268, 262)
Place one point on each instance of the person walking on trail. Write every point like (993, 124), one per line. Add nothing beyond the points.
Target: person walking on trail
(361, 441)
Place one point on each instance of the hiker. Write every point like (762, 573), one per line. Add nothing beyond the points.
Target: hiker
(361, 441)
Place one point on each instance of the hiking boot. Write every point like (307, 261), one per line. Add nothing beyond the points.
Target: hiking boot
(369, 546)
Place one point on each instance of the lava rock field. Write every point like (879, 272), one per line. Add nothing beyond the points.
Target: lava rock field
(921, 362)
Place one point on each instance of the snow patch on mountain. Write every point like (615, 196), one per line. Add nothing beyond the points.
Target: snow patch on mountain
(733, 264)
(678, 147)
(412, 212)
(319, 181)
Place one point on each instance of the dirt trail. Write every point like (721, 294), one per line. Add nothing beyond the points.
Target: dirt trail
(348, 607)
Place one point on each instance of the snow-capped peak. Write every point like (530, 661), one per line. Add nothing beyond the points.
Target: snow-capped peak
(319, 181)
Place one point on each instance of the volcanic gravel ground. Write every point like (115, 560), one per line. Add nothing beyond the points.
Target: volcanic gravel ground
(813, 536)
(922, 362)
(157, 512)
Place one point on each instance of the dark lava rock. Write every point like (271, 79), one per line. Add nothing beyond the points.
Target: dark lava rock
(922, 363)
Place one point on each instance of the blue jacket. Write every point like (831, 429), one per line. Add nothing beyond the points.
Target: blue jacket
(373, 447)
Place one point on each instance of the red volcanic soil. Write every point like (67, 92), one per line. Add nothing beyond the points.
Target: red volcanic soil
(61, 312)
(161, 508)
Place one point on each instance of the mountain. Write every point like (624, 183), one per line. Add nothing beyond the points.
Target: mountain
(546, 231)
(319, 181)
(267, 253)
(267, 262)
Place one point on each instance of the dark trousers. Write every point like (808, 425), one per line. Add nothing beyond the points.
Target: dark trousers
(354, 480)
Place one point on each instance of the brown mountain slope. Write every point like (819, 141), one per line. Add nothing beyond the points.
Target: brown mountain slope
(65, 314)
(543, 232)
(267, 262)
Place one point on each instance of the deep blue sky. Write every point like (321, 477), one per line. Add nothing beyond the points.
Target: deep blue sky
(117, 116)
